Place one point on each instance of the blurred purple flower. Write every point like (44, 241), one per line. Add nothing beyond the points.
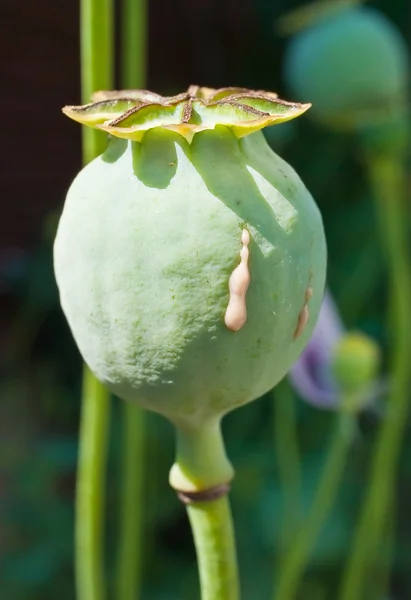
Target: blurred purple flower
(311, 375)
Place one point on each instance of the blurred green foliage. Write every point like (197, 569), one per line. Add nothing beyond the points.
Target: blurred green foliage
(39, 410)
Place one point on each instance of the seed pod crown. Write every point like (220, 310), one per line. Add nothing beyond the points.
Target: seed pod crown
(131, 113)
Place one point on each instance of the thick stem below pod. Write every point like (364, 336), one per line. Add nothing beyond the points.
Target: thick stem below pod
(201, 475)
(213, 533)
(201, 460)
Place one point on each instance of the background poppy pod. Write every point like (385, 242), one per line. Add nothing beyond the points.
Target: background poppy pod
(351, 62)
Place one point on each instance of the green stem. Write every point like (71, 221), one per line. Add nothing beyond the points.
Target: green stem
(378, 588)
(201, 464)
(298, 555)
(213, 533)
(288, 459)
(388, 180)
(201, 461)
(129, 570)
(96, 35)
(96, 38)
(128, 579)
(133, 43)
(90, 489)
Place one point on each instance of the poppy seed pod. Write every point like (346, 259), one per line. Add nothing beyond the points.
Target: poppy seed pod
(351, 62)
(190, 258)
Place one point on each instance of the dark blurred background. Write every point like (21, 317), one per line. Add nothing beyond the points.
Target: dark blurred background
(212, 43)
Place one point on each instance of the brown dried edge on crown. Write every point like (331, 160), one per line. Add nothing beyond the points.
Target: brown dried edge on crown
(230, 101)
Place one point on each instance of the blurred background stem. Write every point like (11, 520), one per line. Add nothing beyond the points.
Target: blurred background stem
(133, 43)
(90, 489)
(129, 555)
(303, 541)
(96, 37)
(378, 586)
(288, 462)
(387, 176)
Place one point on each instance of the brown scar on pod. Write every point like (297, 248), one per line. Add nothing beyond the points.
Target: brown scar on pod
(304, 314)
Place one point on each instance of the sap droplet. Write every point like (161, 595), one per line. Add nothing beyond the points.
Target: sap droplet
(304, 314)
(236, 313)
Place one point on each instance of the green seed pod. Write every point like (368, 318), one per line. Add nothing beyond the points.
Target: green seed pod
(351, 62)
(355, 365)
(190, 258)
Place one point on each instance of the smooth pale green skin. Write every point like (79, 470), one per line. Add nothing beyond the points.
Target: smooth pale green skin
(354, 59)
(149, 236)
